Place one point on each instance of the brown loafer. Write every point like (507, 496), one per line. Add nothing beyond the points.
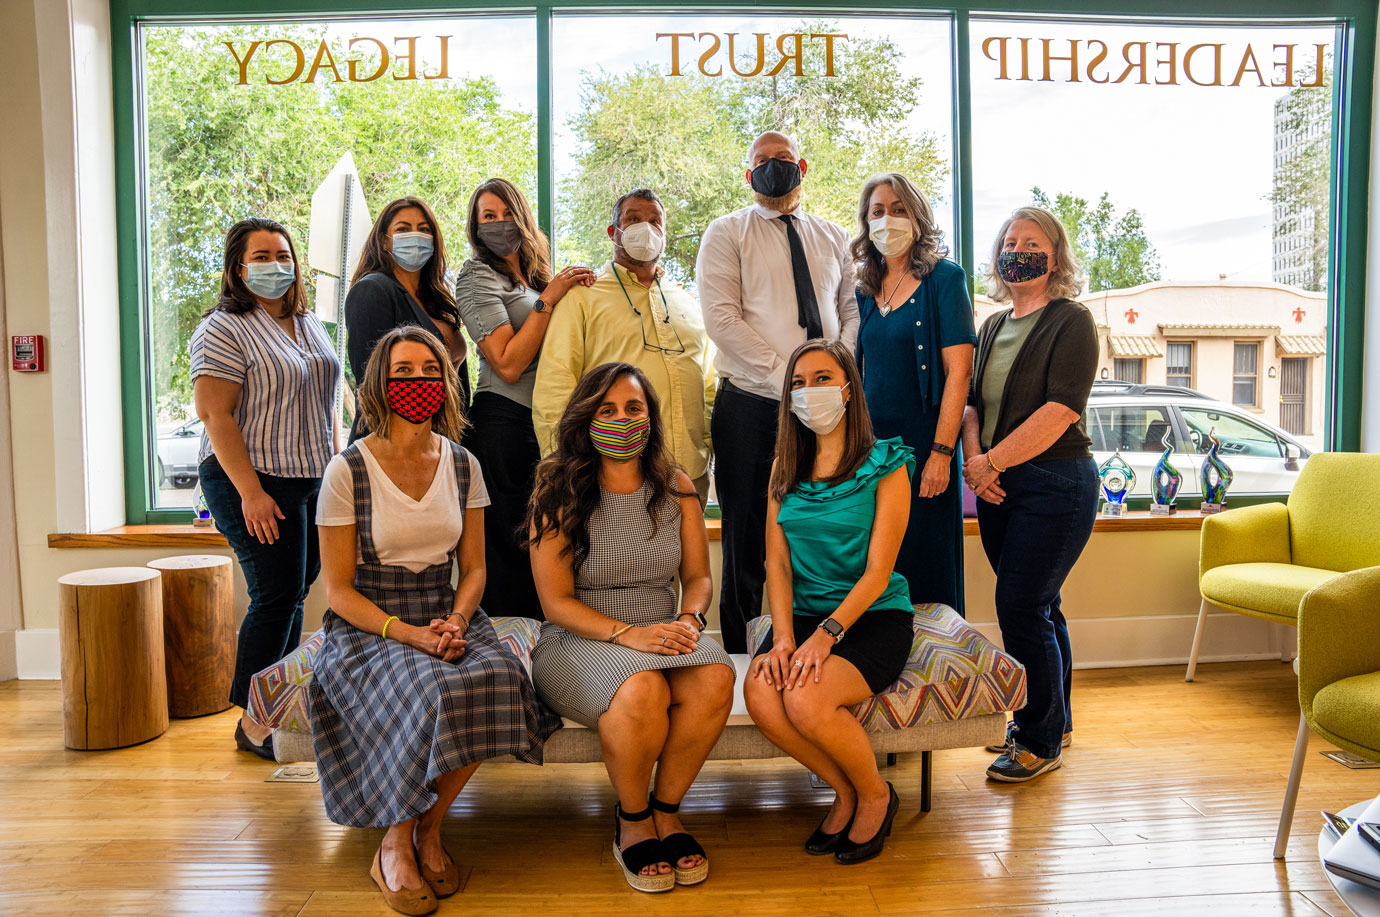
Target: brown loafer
(444, 883)
(413, 901)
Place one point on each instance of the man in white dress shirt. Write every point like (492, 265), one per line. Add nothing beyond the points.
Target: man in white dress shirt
(770, 277)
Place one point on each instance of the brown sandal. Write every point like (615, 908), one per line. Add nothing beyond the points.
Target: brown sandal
(412, 901)
(444, 883)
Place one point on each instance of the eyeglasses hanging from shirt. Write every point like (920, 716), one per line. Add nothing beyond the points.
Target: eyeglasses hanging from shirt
(642, 326)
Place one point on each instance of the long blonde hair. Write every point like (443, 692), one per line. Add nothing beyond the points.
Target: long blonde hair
(450, 421)
(1063, 282)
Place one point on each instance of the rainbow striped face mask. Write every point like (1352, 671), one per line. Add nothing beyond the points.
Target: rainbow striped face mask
(621, 440)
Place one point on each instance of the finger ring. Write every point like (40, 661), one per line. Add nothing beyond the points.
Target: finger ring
(797, 663)
(663, 641)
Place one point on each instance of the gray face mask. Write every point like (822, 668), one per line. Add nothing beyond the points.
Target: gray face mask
(502, 237)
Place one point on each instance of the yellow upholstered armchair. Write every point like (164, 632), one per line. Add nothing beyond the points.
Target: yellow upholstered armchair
(1339, 675)
(1262, 560)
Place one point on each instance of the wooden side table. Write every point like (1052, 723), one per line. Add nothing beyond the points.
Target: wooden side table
(198, 632)
(114, 688)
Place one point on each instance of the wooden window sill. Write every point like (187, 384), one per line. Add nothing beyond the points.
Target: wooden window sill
(189, 536)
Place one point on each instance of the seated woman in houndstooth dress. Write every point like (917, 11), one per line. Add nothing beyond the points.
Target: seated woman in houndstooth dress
(612, 522)
(412, 689)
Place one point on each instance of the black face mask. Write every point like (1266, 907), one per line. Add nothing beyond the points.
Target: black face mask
(776, 177)
(502, 237)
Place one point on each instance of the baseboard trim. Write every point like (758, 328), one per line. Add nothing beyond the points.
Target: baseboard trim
(1111, 643)
(38, 654)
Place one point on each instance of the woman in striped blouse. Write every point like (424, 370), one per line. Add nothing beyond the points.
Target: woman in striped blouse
(264, 374)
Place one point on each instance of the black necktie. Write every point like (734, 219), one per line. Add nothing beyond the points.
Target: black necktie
(807, 307)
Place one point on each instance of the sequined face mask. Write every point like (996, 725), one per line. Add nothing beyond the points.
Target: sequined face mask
(1018, 267)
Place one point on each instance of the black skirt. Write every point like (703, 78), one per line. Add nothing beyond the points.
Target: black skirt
(878, 644)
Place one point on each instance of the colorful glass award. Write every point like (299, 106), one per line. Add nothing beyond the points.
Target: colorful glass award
(1165, 486)
(1216, 478)
(1117, 480)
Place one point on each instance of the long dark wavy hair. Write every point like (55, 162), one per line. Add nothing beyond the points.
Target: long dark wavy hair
(434, 292)
(235, 297)
(796, 443)
(534, 255)
(566, 492)
(927, 247)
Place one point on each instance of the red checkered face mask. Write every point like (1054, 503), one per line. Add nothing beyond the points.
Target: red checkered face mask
(416, 400)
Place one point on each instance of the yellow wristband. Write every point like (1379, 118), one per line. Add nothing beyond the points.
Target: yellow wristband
(391, 619)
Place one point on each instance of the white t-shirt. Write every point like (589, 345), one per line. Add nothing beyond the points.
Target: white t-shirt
(415, 534)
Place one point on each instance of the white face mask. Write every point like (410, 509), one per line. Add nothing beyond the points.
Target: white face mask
(892, 235)
(819, 407)
(643, 242)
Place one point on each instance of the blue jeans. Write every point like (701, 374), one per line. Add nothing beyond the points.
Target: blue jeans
(1032, 539)
(278, 575)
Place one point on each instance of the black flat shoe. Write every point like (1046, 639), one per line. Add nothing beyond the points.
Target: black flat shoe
(264, 751)
(852, 852)
(821, 843)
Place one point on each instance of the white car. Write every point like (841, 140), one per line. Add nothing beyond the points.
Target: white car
(1134, 418)
(177, 452)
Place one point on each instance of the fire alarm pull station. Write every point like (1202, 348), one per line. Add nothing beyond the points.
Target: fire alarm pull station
(26, 351)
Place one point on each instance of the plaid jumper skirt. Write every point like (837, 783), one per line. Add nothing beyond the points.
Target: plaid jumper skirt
(387, 720)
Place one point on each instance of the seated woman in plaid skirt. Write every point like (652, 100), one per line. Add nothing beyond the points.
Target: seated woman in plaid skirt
(612, 523)
(412, 687)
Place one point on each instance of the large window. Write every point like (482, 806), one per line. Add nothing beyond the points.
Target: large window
(1191, 161)
(249, 119)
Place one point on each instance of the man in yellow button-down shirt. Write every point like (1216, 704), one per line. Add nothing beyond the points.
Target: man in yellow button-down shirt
(633, 314)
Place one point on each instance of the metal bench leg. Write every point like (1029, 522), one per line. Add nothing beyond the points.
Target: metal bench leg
(891, 759)
(926, 778)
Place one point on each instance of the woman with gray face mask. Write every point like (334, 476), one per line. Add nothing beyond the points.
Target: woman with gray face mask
(505, 293)
(401, 280)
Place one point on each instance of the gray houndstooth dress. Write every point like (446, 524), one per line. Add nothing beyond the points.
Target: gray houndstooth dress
(387, 719)
(629, 575)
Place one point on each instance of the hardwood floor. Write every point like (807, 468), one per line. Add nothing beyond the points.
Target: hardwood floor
(1166, 804)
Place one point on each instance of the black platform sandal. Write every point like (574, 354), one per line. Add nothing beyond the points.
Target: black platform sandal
(640, 855)
(679, 846)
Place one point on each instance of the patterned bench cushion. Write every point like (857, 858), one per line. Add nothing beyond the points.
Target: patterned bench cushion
(953, 672)
(278, 694)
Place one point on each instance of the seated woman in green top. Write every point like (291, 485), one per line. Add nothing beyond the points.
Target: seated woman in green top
(841, 631)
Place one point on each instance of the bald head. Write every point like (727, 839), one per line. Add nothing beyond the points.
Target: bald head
(772, 145)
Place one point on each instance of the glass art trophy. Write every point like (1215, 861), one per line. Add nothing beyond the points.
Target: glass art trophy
(1216, 478)
(1117, 481)
(1167, 481)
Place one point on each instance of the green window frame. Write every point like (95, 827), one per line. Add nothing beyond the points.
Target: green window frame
(1353, 81)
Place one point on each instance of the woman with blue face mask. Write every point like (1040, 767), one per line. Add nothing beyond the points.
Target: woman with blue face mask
(1028, 458)
(841, 616)
(613, 522)
(401, 280)
(264, 374)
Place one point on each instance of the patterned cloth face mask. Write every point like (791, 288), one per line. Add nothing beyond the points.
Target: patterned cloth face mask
(416, 400)
(1018, 267)
(621, 440)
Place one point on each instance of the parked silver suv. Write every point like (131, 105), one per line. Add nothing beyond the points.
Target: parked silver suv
(1134, 418)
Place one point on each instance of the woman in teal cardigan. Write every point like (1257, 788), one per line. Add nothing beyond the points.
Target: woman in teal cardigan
(841, 616)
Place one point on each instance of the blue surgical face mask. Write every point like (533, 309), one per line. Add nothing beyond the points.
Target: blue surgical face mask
(412, 250)
(269, 279)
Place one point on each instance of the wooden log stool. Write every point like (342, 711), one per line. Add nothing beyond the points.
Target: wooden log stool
(114, 689)
(198, 632)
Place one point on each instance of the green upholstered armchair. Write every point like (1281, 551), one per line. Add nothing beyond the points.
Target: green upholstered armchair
(1339, 674)
(1262, 560)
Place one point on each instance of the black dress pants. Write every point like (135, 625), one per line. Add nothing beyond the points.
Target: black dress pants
(502, 439)
(744, 433)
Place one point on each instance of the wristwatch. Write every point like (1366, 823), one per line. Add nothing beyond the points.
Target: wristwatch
(942, 449)
(698, 616)
(541, 306)
(832, 628)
